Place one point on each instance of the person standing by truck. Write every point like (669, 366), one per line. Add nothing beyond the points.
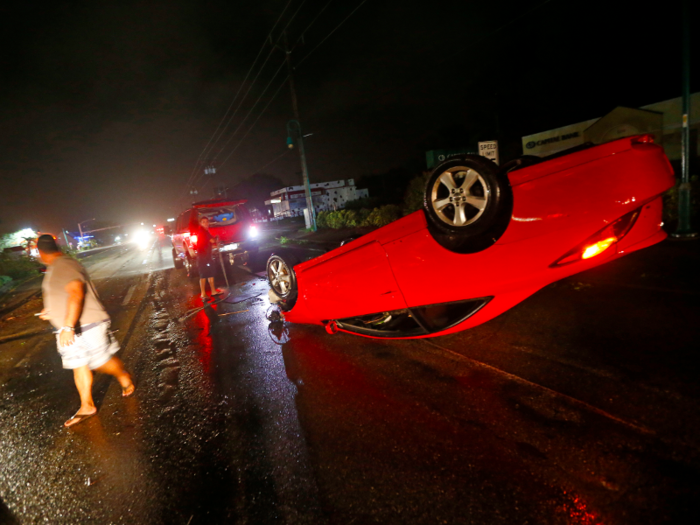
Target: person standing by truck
(205, 261)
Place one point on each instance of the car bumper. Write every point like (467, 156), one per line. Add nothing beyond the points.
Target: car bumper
(238, 252)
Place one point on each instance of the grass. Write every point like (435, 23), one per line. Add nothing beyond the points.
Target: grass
(286, 240)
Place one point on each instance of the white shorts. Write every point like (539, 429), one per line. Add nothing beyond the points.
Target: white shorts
(93, 348)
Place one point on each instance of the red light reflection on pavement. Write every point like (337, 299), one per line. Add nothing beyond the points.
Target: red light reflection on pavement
(203, 339)
(579, 513)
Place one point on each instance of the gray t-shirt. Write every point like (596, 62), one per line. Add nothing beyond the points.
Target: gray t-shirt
(63, 271)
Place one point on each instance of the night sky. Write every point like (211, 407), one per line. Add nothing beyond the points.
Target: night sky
(105, 107)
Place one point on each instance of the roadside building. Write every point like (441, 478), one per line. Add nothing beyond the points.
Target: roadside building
(327, 196)
(662, 119)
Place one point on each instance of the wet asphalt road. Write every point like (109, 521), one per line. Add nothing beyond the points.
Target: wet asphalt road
(578, 406)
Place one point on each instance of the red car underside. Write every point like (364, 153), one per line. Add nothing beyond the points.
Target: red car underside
(557, 205)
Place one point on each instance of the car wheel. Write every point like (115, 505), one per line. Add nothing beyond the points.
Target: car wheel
(191, 266)
(179, 264)
(467, 202)
(280, 274)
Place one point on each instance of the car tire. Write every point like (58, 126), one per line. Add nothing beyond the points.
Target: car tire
(467, 203)
(282, 278)
(179, 263)
(191, 266)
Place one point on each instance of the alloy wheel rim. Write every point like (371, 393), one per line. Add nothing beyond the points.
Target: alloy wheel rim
(280, 277)
(459, 196)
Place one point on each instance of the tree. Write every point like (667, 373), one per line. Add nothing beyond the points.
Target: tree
(18, 238)
(388, 187)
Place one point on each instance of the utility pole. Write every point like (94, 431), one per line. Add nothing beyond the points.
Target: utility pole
(80, 227)
(684, 229)
(302, 154)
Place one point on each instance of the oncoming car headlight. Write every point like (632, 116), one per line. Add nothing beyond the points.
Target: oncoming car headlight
(253, 232)
(141, 238)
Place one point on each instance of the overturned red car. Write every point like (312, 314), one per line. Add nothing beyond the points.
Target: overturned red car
(487, 238)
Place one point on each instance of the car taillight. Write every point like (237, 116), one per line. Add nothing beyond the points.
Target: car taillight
(599, 247)
(643, 139)
(193, 239)
(601, 241)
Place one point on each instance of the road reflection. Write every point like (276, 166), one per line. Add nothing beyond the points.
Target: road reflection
(203, 322)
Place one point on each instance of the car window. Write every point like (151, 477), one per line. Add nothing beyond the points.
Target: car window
(222, 216)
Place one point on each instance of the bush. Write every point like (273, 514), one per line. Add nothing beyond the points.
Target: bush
(383, 216)
(336, 219)
(362, 216)
(356, 218)
(18, 268)
(352, 218)
(413, 198)
(322, 219)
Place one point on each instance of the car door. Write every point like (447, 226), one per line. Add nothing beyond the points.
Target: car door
(356, 282)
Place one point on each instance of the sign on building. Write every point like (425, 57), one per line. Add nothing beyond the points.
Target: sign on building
(489, 149)
(554, 140)
(436, 156)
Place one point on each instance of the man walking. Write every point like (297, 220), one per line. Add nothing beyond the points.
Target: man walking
(84, 342)
(205, 262)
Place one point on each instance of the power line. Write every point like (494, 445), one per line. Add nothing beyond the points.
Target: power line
(194, 177)
(203, 154)
(286, 152)
(247, 75)
(445, 58)
(278, 89)
(333, 31)
(249, 111)
(313, 21)
(256, 121)
(272, 49)
(281, 85)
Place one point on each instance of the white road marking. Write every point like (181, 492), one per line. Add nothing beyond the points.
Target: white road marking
(23, 361)
(128, 295)
(553, 393)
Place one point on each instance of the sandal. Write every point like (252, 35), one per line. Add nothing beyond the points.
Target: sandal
(78, 418)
